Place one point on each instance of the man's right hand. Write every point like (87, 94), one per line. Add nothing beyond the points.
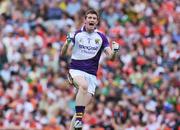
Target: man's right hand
(115, 46)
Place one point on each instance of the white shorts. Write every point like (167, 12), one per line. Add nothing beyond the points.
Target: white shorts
(91, 79)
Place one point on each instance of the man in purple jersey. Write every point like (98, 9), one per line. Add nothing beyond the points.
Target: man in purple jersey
(85, 47)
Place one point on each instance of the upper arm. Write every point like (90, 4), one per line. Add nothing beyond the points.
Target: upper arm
(66, 48)
(105, 45)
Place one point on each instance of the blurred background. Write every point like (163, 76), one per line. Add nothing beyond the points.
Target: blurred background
(137, 91)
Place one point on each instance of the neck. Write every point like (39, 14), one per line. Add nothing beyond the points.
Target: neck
(88, 30)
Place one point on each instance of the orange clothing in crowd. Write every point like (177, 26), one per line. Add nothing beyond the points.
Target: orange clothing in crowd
(52, 128)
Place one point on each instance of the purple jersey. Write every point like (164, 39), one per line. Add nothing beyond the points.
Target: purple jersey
(87, 49)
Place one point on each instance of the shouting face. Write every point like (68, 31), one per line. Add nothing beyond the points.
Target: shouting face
(91, 21)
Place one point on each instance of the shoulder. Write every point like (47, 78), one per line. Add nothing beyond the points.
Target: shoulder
(78, 31)
(102, 35)
(73, 34)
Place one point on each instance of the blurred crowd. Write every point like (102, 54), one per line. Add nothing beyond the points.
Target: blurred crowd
(139, 90)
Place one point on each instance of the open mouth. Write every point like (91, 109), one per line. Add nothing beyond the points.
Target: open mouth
(91, 24)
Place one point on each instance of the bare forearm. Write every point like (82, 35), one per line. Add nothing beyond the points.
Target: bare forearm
(112, 52)
(113, 56)
(64, 49)
(67, 46)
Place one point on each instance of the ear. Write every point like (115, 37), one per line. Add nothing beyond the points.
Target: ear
(98, 22)
(84, 21)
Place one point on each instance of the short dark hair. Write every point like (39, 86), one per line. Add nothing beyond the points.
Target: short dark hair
(91, 11)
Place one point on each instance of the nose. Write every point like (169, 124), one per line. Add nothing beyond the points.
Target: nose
(92, 21)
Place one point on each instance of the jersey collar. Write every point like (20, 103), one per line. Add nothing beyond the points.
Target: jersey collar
(84, 29)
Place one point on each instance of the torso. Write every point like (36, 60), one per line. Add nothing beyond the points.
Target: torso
(87, 50)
